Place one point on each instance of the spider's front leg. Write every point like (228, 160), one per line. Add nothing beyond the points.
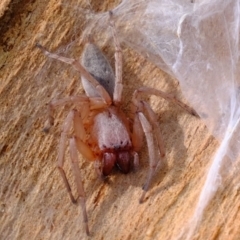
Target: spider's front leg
(77, 142)
(142, 125)
(142, 106)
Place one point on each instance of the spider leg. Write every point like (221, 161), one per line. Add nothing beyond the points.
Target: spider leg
(72, 119)
(169, 97)
(147, 128)
(75, 143)
(137, 140)
(81, 137)
(117, 95)
(147, 125)
(153, 120)
(77, 65)
(137, 133)
(61, 102)
(140, 107)
(78, 180)
(93, 103)
(62, 148)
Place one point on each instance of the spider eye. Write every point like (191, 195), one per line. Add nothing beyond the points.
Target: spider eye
(109, 160)
(123, 161)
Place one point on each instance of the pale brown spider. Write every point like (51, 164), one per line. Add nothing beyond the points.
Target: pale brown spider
(102, 132)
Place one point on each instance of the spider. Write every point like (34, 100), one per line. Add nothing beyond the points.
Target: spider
(101, 131)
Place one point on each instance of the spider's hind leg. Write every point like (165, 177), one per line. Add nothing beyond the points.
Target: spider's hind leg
(117, 96)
